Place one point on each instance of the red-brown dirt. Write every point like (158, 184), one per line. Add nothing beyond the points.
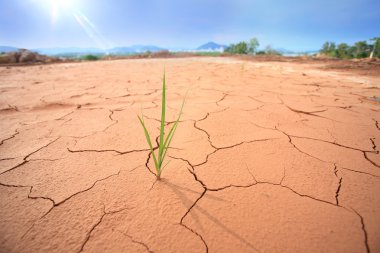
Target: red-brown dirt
(269, 156)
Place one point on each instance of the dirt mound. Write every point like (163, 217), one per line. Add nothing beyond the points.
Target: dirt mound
(25, 56)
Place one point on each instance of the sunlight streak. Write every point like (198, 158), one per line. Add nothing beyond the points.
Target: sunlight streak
(54, 13)
(91, 30)
(71, 7)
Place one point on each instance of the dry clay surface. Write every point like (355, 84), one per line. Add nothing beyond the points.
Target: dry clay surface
(268, 157)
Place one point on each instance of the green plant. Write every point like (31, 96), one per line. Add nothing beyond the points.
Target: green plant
(90, 57)
(253, 44)
(164, 142)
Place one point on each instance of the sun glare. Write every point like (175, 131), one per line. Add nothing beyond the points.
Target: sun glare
(58, 7)
(62, 3)
(68, 9)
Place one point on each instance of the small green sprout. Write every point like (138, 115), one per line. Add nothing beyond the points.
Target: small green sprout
(164, 142)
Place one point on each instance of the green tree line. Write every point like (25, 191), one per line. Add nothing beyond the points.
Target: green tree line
(243, 47)
(250, 47)
(361, 49)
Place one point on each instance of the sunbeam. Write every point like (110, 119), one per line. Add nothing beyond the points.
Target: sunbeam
(91, 30)
(71, 9)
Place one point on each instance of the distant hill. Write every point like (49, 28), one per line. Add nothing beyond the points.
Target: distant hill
(68, 50)
(7, 49)
(211, 46)
(135, 49)
(82, 51)
(287, 52)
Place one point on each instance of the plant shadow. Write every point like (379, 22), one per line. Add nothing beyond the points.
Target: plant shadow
(179, 191)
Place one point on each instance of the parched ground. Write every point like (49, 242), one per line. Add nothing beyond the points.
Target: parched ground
(269, 157)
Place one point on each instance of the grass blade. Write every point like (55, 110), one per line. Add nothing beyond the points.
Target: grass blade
(170, 137)
(164, 143)
(147, 136)
(162, 130)
(172, 131)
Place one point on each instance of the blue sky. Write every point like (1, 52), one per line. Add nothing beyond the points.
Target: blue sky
(294, 25)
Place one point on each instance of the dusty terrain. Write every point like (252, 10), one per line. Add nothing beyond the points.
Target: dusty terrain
(269, 157)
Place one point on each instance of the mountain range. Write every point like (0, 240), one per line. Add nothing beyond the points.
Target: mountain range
(211, 46)
(116, 50)
(78, 51)
(82, 51)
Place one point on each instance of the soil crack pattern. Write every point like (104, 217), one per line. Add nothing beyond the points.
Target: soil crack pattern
(63, 201)
(30, 191)
(25, 159)
(364, 152)
(256, 182)
(88, 236)
(299, 150)
(333, 143)
(261, 139)
(79, 192)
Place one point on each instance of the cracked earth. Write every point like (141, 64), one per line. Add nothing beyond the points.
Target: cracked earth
(268, 157)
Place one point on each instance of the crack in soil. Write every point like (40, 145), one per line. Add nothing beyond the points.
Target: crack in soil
(148, 159)
(257, 100)
(166, 122)
(27, 156)
(204, 118)
(364, 152)
(361, 172)
(364, 230)
(13, 136)
(192, 171)
(30, 197)
(63, 201)
(194, 232)
(110, 116)
(229, 147)
(333, 143)
(220, 100)
(106, 150)
(88, 236)
(299, 150)
(7, 159)
(373, 143)
(308, 113)
(369, 160)
(82, 191)
(335, 170)
(92, 229)
(338, 190)
(244, 186)
(376, 124)
(339, 184)
(192, 206)
(136, 242)
(208, 135)
(339, 145)
(225, 147)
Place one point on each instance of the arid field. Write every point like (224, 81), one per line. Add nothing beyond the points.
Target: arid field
(269, 156)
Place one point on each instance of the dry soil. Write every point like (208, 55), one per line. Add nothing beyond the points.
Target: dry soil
(269, 157)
